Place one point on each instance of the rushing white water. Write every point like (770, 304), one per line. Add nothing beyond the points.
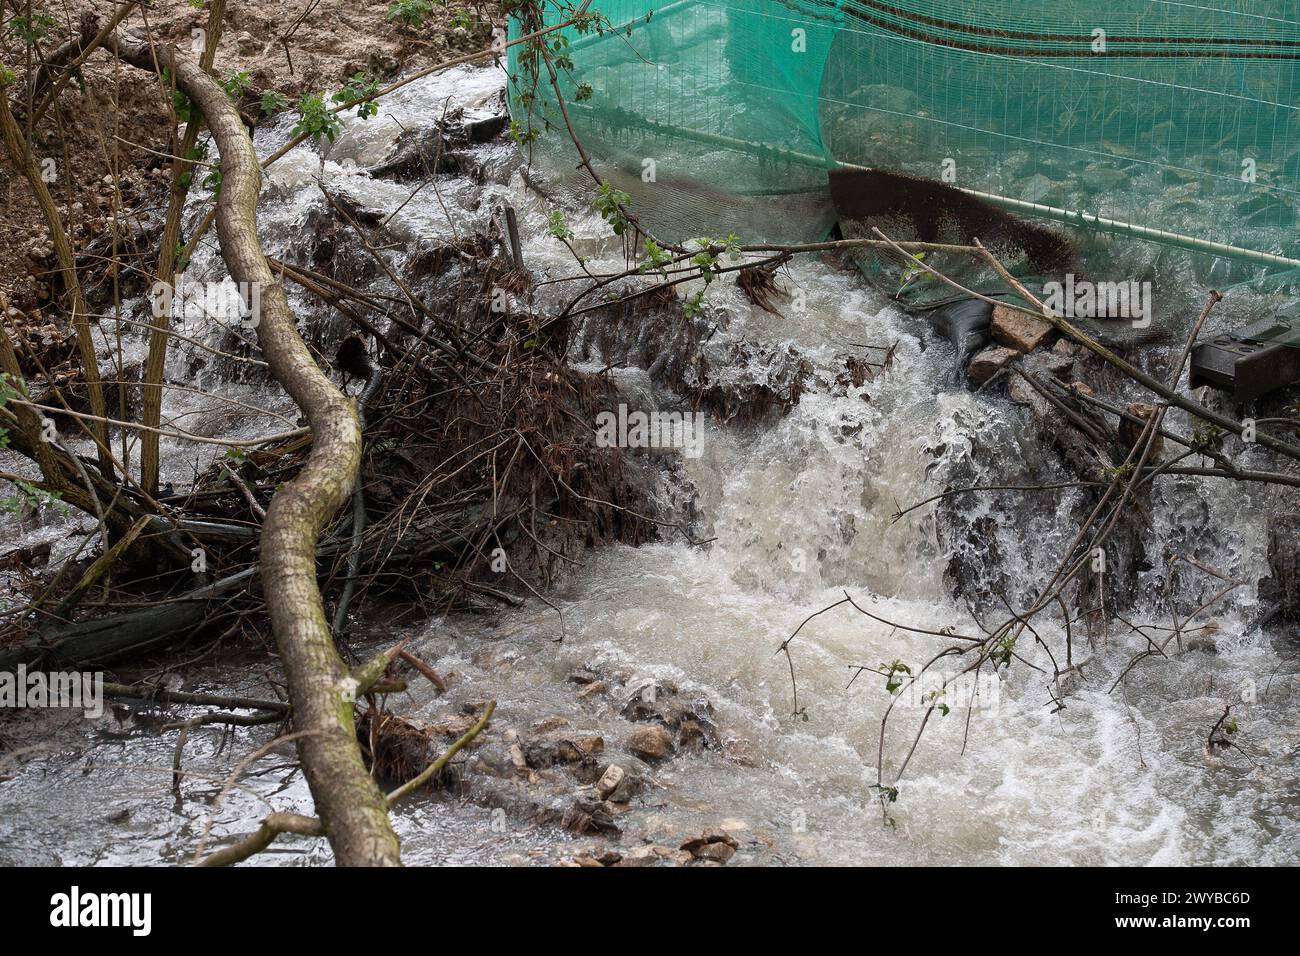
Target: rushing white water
(799, 511)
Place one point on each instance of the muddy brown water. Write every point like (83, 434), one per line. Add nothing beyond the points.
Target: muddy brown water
(799, 510)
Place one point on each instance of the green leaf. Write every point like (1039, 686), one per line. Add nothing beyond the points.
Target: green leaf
(316, 119)
(358, 88)
(559, 228)
(410, 12)
(236, 84)
(29, 29)
(273, 101)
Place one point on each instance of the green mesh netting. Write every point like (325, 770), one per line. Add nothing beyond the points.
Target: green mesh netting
(1176, 122)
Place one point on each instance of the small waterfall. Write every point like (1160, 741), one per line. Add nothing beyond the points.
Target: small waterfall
(797, 510)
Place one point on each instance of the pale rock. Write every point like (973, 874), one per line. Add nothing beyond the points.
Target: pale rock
(675, 857)
(708, 837)
(517, 758)
(1018, 331)
(640, 856)
(650, 742)
(610, 780)
(1022, 393)
(988, 362)
(651, 855)
(554, 722)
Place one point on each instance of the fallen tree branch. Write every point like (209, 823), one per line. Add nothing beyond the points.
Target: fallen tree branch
(272, 827)
(352, 810)
(148, 692)
(100, 640)
(277, 823)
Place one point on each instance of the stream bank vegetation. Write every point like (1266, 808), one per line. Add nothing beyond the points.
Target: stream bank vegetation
(441, 454)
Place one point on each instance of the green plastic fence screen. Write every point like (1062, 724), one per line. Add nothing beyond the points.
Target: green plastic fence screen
(1174, 122)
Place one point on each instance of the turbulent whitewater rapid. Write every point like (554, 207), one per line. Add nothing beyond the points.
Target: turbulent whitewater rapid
(795, 511)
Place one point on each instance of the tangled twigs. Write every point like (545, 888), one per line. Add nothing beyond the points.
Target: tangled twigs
(244, 492)
(998, 645)
(83, 50)
(408, 788)
(1166, 392)
(1229, 727)
(1180, 626)
(759, 285)
(785, 649)
(100, 566)
(22, 158)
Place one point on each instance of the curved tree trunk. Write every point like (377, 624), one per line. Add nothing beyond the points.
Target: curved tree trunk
(349, 803)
